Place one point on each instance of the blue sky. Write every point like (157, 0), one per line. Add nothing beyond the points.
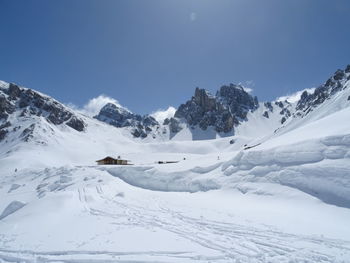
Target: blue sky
(149, 54)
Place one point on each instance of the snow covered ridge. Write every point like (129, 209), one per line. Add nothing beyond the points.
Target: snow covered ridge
(333, 85)
(227, 110)
(121, 117)
(20, 104)
(218, 116)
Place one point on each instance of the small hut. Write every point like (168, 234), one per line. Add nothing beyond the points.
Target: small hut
(111, 161)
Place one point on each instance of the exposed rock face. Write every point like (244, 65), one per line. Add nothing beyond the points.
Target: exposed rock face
(224, 110)
(269, 106)
(285, 112)
(201, 110)
(279, 104)
(238, 100)
(116, 116)
(334, 84)
(229, 107)
(347, 70)
(120, 117)
(28, 102)
(27, 133)
(14, 91)
(174, 125)
(76, 123)
(283, 107)
(204, 100)
(54, 111)
(6, 107)
(3, 133)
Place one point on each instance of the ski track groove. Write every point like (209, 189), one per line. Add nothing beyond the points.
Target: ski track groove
(250, 241)
(233, 242)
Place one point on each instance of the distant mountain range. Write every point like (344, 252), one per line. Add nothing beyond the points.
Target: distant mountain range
(224, 111)
(221, 114)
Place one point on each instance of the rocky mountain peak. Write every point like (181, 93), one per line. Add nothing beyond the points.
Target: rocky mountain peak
(334, 84)
(347, 70)
(120, 117)
(115, 113)
(204, 99)
(227, 108)
(237, 99)
(25, 103)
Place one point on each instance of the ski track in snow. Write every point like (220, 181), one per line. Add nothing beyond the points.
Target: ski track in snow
(231, 242)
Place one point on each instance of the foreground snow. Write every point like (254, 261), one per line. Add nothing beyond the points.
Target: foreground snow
(80, 214)
(284, 201)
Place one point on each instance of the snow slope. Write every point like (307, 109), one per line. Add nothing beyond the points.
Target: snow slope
(279, 193)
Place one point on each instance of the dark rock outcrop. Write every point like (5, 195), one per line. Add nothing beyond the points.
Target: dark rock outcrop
(120, 117)
(269, 106)
(54, 111)
(347, 70)
(6, 107)
(27, 133)
(279, 104)
(334, 84)
(139, 133)
(339, 74)
(266, 114)
(285, 112)
(76, 124)
(14, 91)
(5, 125)
(227, 108)
(3, 130)
(238, 100)
(174, 125)
(29, 102)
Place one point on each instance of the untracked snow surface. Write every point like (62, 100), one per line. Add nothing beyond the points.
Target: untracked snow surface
(278, 194)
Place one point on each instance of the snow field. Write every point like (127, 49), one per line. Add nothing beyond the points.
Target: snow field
(128, 224)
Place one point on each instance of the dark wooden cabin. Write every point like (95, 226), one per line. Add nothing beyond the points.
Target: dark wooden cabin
(111, 161)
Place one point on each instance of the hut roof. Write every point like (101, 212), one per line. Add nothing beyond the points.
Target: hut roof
(106, 158)
(111, 158)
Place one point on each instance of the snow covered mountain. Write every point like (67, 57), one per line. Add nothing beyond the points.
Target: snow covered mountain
(21, 110)
(121, 117)
(226, 109)
(223, 113)
(220, 113)
(272, 186)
